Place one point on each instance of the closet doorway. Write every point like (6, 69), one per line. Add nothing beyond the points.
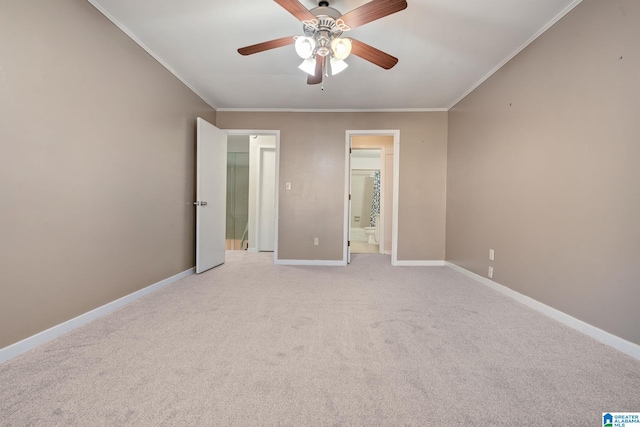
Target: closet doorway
(252, 177)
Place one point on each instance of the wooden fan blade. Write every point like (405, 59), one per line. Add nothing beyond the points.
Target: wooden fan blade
(371, 11)
(317, 78)
(261, 47)
(296, 8)
(373, 55)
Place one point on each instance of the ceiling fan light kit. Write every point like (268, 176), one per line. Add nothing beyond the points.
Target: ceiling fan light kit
(323, 27)
(308, 66)
(305, 46)
(341, 48)
(337, 65)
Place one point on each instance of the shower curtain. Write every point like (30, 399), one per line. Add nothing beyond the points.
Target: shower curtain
(375, 201)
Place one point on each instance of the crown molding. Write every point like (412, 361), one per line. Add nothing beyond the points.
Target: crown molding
(329, 110)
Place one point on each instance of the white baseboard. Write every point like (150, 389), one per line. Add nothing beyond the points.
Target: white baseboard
(598, 334)
(47, 335)
(418, 263)
(331, 263)
(424, 263)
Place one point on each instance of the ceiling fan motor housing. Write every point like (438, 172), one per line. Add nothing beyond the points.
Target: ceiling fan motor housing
(327, 19)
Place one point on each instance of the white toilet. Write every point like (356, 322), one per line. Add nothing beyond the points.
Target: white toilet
(373, 232)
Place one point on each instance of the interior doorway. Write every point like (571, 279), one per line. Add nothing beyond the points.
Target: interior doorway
(361, 171)
(366, 225)
(252, 190)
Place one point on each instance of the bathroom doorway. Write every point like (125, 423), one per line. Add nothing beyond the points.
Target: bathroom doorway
(372, 159)
(365, 225)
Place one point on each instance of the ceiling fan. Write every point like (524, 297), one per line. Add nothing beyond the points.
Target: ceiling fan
(322, 45)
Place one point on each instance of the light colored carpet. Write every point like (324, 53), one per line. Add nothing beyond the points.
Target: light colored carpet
(250, 343)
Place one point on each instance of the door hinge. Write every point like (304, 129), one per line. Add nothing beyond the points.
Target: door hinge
(349, 150)
(348, 242)
(349, 196)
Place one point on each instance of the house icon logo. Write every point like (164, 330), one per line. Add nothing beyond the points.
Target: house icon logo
(607, 420)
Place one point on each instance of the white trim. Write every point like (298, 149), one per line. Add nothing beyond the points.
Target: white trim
(396, 194)
(419, 263)
(139, 42)
(275, 133)
(531, 39)
(337, 110)
(346, 250)
(47, 335)
(329, 263)
(598, 334)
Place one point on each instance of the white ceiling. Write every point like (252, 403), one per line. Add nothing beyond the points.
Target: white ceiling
(445, 49)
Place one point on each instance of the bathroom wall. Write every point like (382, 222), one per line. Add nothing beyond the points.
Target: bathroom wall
(362, 159)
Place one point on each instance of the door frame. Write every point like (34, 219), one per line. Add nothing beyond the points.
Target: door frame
(276, 134)
(395, 184)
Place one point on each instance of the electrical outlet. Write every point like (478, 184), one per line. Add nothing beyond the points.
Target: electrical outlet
(491, 254)
(490, 273)
(287, 186)
(316, 241)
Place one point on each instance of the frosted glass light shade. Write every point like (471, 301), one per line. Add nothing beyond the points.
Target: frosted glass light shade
(341, 48)
(305, 46)
(337, 65)
(308, 66)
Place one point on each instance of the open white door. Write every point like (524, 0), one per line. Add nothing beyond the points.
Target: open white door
(211, 190)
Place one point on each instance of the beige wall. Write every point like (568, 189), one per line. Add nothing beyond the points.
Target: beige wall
(96, 165)
(312, 158)
(543, 167)
(385, 143)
